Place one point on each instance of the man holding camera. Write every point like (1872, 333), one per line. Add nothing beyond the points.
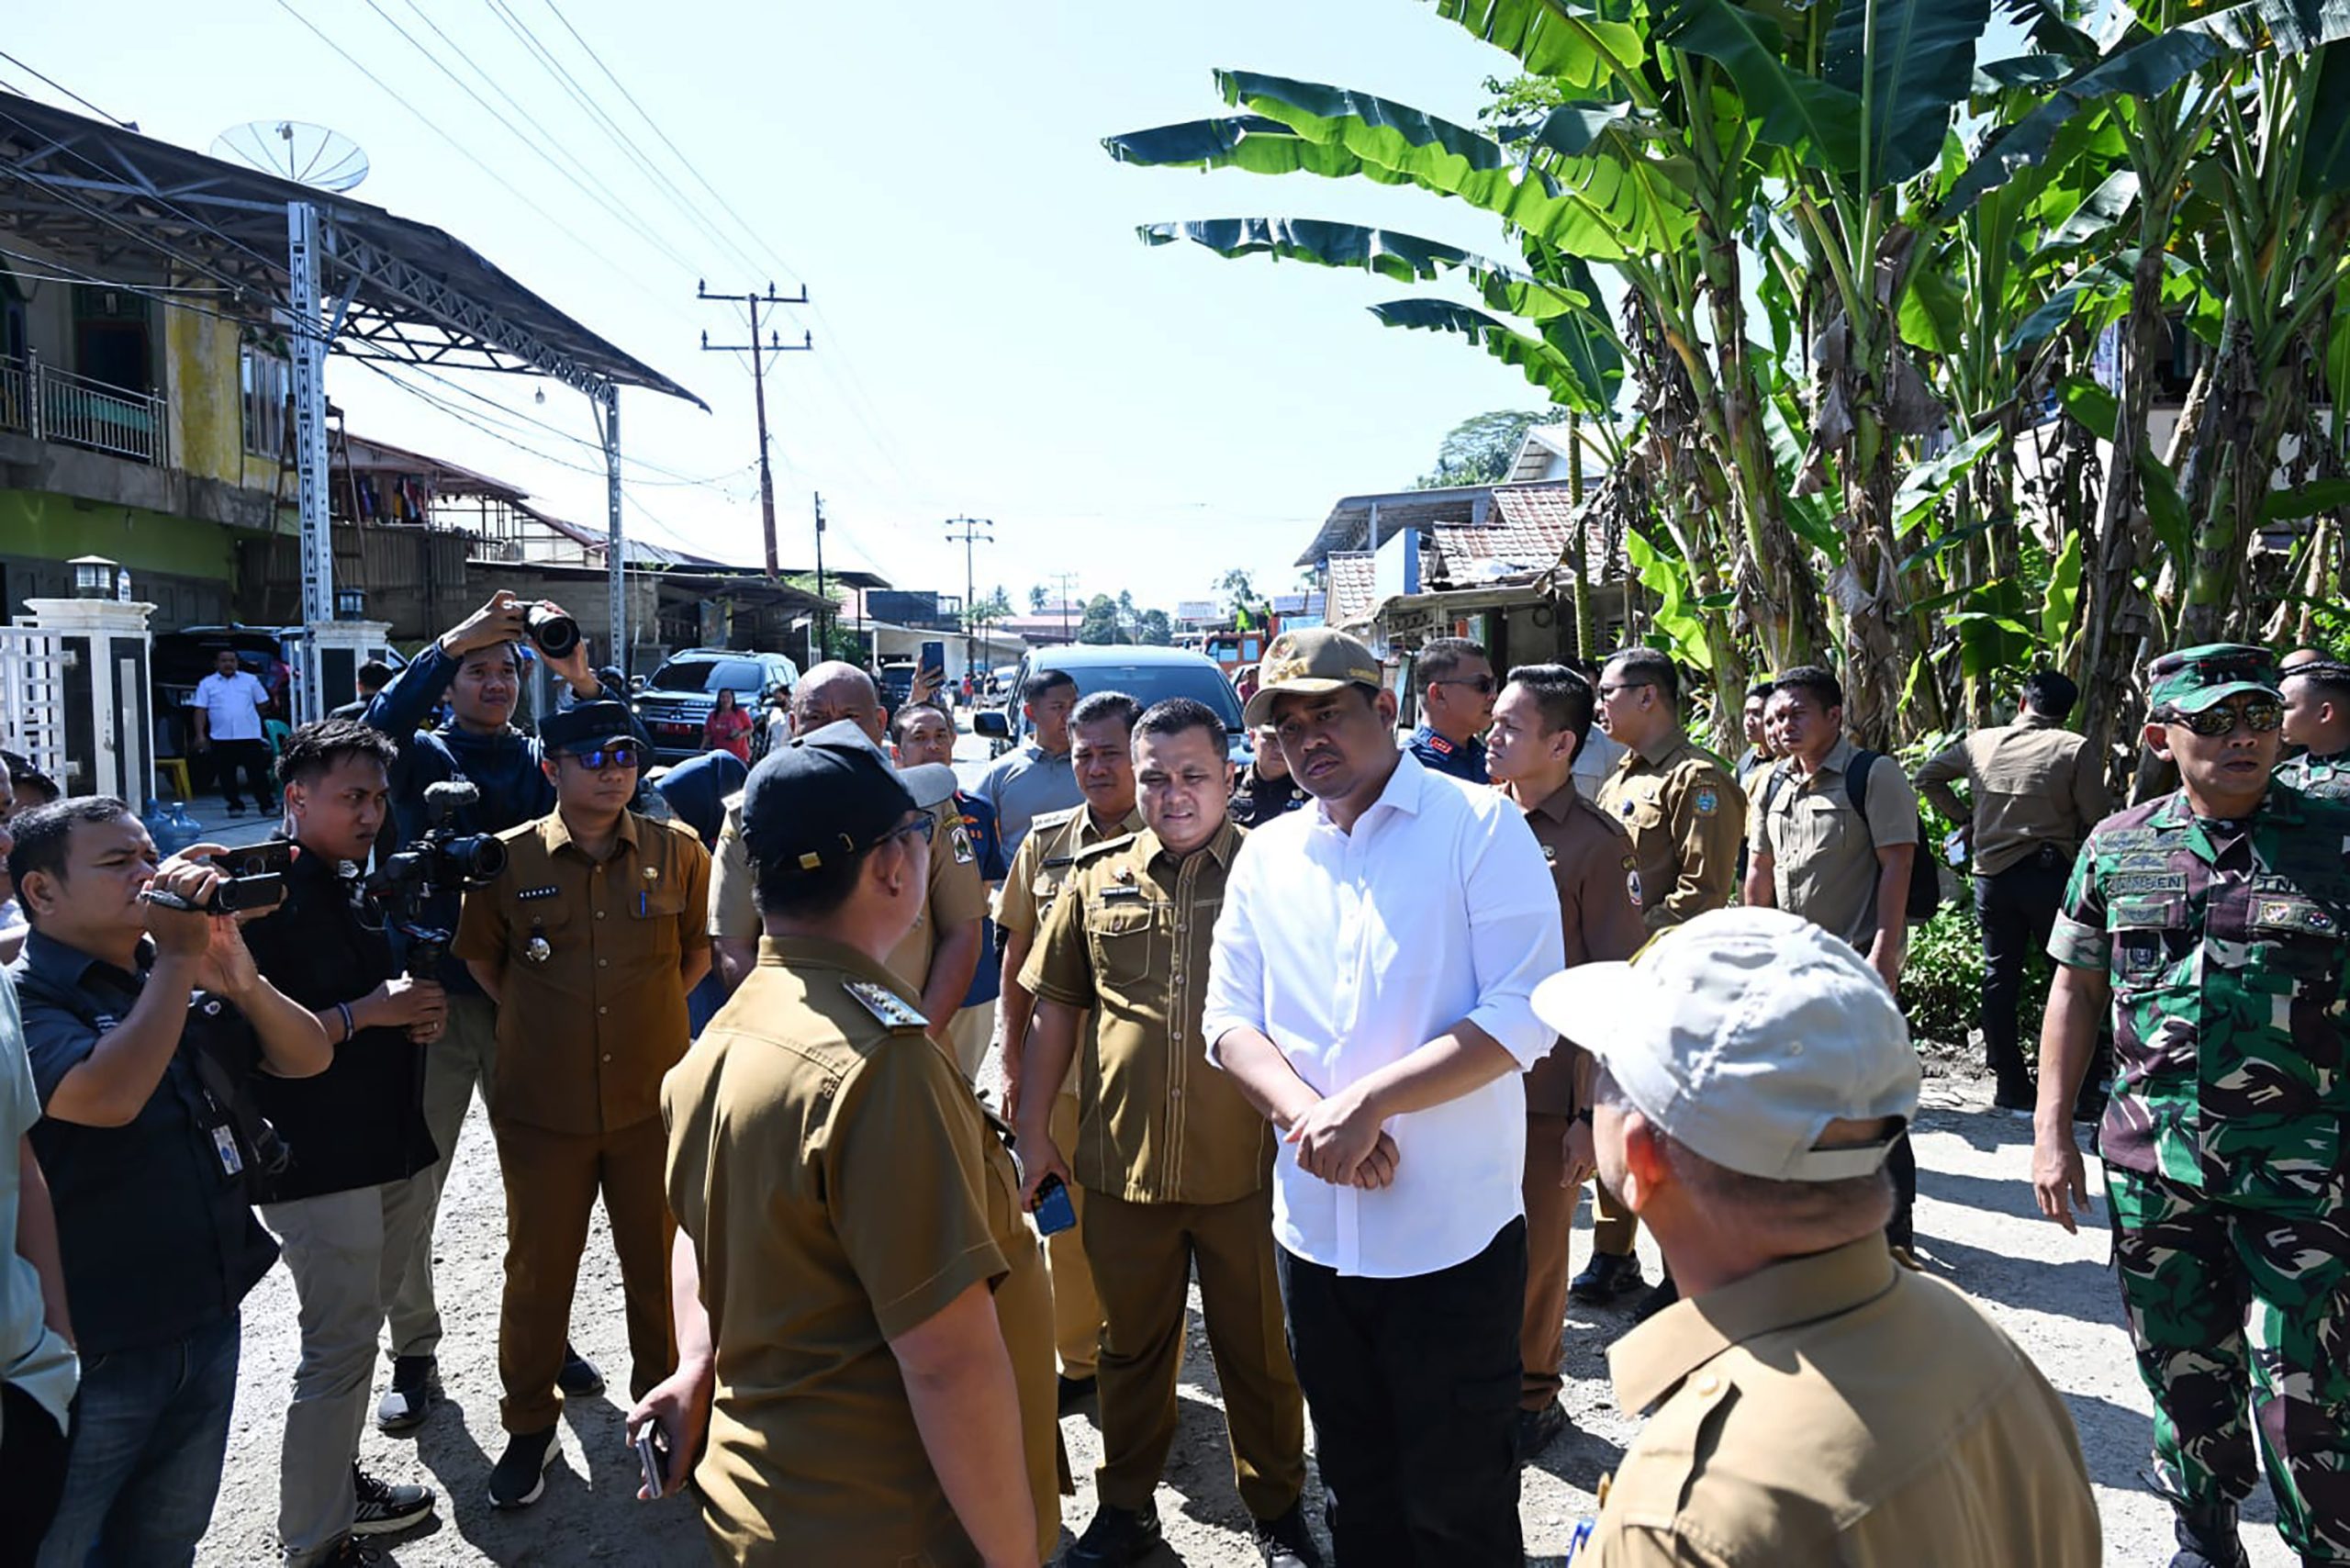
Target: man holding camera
(477, 664)
(588, 940)
(145, 1020)
(347, 1207)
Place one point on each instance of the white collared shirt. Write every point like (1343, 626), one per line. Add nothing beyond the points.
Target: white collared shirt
(1351, 950)
(231, 705)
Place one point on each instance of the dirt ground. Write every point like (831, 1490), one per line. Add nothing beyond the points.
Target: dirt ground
(1975, 1227)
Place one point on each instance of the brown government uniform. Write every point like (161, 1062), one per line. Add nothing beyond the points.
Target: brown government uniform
(843, 1185)
(591, 1012)
(1686, 814)
(1176, 1165)
(1840, 1408)
(1039, 867)
(1824, 865)
(956, 894)
(1591, 860)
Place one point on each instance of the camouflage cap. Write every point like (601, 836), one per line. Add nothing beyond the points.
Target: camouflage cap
(1310, 662)
(2192, 679)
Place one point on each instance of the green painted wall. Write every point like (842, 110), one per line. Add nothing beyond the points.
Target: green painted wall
(56, 528)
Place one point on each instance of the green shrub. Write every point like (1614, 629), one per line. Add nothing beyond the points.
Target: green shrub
(1941, 984)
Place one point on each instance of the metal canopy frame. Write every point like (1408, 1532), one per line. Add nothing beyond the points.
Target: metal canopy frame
(342, 275)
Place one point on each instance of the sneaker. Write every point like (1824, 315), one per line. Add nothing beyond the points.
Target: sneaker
(579, 1379)
(416, 1388)
(2208, 1539)
(1537, 1429)
(1116, 1537)
(520, 1473)
(2018, 1100)
(1661, 1295)
(384, 1507)
(1074, 1391)
(1605, 1278)
(1287, 1541)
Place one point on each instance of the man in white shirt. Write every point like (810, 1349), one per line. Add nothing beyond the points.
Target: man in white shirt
(228, 705)
(1370, 992)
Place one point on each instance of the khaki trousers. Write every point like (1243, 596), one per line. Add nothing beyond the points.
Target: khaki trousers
(1614, 1227)
(552, 1182)
(464, 1055)
(1143, 1256)
(1549, 1219)
(1077, 1309)
(1023, 1310)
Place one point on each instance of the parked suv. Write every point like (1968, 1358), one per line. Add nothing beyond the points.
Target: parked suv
(1146, 674)
(675, 700)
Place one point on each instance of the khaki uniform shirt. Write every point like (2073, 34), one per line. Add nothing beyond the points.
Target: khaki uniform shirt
(1686, 814)
(592, 1009)
(1043, 862)
(1824, 864)
(1129, 939)
(841, 1185)
(2031, 783)
(956, 893)
(1840, 1408)
(1592, 862)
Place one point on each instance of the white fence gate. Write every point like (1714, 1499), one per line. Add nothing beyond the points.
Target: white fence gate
(32, 699)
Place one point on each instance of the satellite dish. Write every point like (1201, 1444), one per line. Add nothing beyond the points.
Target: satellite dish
(306, 154)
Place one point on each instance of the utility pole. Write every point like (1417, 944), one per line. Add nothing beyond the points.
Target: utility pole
(824, 615)
(759, 352)
(1068, 581)
(969, 531)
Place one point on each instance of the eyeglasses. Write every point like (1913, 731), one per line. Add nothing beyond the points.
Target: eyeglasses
(607, 756)
(2258, 717)
(1608, 691)
(1483, 686)
(922, 827)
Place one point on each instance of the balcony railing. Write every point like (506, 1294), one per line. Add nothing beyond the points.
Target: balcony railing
(48, 403)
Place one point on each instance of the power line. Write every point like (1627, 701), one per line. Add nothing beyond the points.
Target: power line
(759, 352)
(61, 87)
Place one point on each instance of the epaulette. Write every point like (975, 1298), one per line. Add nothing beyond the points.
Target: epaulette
(1108, 846)
(890, 1010)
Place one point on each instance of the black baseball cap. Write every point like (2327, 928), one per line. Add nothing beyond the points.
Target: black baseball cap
(587, 727)
(832, 795)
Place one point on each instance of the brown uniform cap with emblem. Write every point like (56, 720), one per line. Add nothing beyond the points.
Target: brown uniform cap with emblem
(842, 1184)
(1311, 663)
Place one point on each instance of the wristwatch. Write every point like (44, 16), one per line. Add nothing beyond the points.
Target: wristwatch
(1584, 1115)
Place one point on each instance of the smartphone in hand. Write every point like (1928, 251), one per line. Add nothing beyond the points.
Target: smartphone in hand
(1054, 1211)
(652, 1456)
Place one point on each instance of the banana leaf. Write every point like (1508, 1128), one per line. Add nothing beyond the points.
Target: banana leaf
(1583, 382)
(1918, 61)
(2063, 591)
(2325, 154)
(1789, 108)
(1563, 40)
(1403, 258)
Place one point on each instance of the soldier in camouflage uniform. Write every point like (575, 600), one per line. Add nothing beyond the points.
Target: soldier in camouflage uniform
(2213, 918)
(2317, 717)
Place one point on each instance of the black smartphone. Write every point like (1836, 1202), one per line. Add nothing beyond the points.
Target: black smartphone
(1054, 1211)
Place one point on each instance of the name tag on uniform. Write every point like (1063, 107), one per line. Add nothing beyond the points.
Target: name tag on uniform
(224, 1144)
(1115, 892)
(531, 895)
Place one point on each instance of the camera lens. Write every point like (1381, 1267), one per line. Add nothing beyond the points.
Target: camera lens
(555, 632)
(488, 859)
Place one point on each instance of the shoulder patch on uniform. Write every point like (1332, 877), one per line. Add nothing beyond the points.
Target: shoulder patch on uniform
(530, 895)
(1437, 743)
(964, 853)
(2128, 838)
(885, 1005)
(1705, 803)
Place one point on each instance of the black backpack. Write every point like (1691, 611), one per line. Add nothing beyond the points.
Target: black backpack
(1925, 879)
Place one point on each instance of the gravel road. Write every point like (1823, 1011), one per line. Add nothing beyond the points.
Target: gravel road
(1975, 1227)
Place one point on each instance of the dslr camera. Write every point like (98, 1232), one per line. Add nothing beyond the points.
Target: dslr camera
(442, 860)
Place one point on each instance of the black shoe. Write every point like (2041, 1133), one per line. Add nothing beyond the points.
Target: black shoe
(520, 1473)
(351, 1553)
(1606, 1277)
(1116, 1538)
(384, 1507)
(1074, 1391)
(1287, 1541)
(1661, 1295)
(1537, 1429)
(2207, 1538)
(416, 1388)
(235, 809)
(579, 1379)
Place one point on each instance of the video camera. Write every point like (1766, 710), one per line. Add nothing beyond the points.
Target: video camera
(251, 879)
(442, 860)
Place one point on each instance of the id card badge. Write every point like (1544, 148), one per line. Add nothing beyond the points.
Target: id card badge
(224, 1143)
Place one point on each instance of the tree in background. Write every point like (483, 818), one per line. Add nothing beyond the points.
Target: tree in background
(1481, 448)
(1240, 592)
(1037, 599)
(1101, 621)
(1153, 627)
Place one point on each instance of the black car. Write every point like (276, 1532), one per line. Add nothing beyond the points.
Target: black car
(676, 700)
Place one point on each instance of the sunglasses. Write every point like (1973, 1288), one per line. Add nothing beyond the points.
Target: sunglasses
(608, 756)
(2258, 717)
(1483, 686)
(922, 827)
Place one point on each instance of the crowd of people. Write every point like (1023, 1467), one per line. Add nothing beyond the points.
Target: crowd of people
(1338, 1039)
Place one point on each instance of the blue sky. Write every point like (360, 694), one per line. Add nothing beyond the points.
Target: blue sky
(992, 338)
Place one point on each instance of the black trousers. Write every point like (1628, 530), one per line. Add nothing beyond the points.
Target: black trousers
(1901, 1164)
(252, 757)
(32, 1474)
(1413, 1385)
(2017, 909)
